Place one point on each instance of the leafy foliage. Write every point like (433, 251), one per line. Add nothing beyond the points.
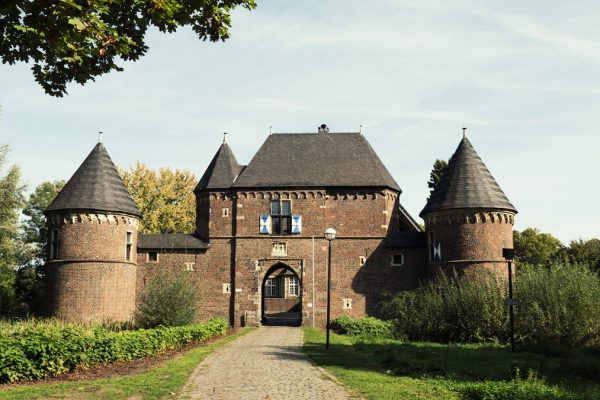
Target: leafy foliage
(533, 247)
(11, 200)
(558, 306)
(585, 252)
(167, 301)
(367, 326)
(77, 40)
(530, 388)
(451, 309)
(36, 350)
(439, 167)
(166, 200)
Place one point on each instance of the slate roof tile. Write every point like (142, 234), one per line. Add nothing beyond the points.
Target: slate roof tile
(95, 186)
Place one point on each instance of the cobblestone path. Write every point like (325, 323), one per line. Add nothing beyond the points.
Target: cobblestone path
(266, 364)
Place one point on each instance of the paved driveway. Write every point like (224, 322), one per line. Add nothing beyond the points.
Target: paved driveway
(264, 364)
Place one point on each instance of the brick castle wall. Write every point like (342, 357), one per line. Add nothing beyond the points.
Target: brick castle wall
(471, 240)
(90, 278)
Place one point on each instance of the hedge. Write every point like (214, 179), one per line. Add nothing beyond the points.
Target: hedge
(37, 350)
(365, 326)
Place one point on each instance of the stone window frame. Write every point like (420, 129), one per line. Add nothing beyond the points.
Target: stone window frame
(128, 245)
(282, 219)
(148, 258)
(294, 283)
(362, 260)
(395, 264)
(53, 244)
(346, 304)
(225, 212)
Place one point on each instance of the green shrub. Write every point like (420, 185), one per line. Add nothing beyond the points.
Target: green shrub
(366, 326)
(167, 301)
(514, 390)
(35, 350)
(458, 309)
(558, 306)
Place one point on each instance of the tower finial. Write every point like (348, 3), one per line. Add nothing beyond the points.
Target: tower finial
(270, 129)
(464, 132)
(360, 129)
(224, 137)
(99, 136)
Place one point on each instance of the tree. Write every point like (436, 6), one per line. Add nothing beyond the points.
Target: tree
(536, 248)
(439, 167)
(34, 239)
(167, 301)
(77, 40)
(11, 200)
(585, 252)
(166, 200)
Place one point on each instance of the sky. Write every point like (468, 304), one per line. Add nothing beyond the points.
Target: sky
(523, 77)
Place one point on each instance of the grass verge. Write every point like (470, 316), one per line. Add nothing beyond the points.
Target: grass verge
(157, 383)
(390, 369)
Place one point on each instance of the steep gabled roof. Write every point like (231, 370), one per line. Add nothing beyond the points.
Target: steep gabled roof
(222, 170)
(467, 183)
(316, 160)
(95, 186)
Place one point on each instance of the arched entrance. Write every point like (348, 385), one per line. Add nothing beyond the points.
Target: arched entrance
(281, 300)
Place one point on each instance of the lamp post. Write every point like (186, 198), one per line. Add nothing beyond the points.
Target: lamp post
(509, 255)
(329, 235)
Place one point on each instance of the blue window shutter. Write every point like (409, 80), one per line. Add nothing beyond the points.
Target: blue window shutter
(264, 224)
(296, 223)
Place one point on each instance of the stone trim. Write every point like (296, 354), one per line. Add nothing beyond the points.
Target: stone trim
(470, 217)
(55, 220)
(90, 260)
(347, 194)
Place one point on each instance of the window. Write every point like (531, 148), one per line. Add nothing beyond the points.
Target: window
(271, 288)
(294, 286)
(397, 260)
(347, 304)
(129, 246)
(225, 212)
(362, 260)
(226, 288)
(152, 256)
(54, 244)
(281, 216)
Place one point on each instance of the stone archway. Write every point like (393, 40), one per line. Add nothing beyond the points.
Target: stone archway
(281, 296)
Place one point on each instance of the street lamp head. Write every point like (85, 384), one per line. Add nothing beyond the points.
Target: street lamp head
(330, 234)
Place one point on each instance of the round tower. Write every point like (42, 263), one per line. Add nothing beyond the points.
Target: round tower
(468, 218)
(92, 245)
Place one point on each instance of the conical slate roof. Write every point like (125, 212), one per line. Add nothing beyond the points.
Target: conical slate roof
(95, 186)
(222, 170)
(467, 183)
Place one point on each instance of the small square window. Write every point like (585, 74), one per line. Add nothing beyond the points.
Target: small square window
(152, 256)
(225, 212)
(347, 304)
(362, 260)
(397, 260)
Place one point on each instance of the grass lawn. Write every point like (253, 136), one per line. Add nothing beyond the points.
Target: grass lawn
(157, 383)
(389, 369)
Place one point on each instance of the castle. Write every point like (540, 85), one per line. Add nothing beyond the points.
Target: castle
(259, 251)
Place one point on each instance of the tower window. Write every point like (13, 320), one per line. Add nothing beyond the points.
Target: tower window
(397, 260)
(153, 256)
(128, 246)
(281, 216)
(54, 244)
(225, 212)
